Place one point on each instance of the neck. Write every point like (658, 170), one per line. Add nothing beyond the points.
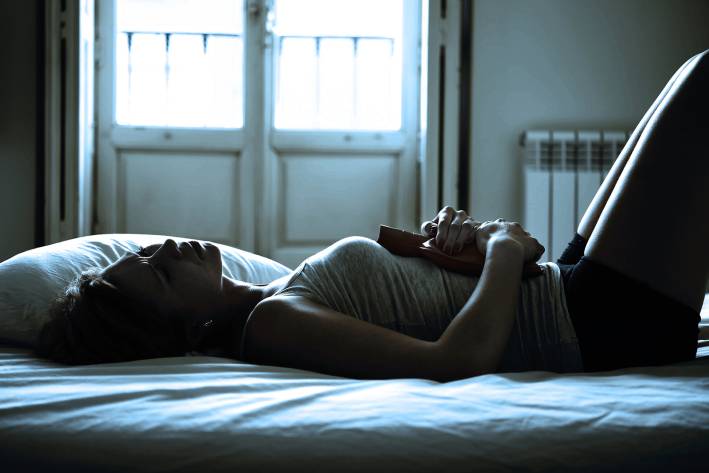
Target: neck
(223, 336)
(241, 297)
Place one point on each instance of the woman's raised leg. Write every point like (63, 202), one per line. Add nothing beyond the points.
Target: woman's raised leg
(593, 212)
(654, 228)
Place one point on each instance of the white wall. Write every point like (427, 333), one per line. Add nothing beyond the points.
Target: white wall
(536, 63)
(17, 126)
(566, 64)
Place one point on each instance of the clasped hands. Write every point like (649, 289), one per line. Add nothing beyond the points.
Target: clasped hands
(455, 229)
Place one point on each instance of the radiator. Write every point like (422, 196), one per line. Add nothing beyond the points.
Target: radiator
(562, 172)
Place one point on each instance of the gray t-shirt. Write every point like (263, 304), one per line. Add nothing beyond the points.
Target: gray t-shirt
(358, 277)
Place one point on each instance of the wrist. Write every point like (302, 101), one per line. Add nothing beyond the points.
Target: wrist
(505, 246)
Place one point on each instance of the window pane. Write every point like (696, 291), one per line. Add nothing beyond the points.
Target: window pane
(338, 64)
(179, 63)
(297, 97)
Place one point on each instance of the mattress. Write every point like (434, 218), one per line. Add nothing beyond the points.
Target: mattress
(213, 414)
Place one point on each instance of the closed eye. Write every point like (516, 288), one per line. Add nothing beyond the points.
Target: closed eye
(160, 273)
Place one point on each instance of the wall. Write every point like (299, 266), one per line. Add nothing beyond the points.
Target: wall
(18, 79)
(566, 64)
(536, 64)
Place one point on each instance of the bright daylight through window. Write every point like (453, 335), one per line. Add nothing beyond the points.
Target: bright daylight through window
(179, 63)
(338, 64)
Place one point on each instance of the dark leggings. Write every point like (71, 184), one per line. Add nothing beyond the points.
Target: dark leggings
(620, 322)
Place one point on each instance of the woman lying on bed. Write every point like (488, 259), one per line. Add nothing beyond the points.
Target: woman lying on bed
(626, 292)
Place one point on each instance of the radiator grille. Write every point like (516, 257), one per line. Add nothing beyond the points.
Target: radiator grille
(562, 171)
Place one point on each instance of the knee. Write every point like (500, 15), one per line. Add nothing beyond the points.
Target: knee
(701, 66)
(698, 56)
(696, 78)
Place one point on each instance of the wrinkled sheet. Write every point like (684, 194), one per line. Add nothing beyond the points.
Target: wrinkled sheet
(213, 414)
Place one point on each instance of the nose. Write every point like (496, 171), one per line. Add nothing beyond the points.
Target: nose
(167, 249)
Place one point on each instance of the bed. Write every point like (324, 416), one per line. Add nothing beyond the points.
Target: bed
(213, 414)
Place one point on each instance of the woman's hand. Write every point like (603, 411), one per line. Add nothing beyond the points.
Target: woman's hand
(452, 229)
(502, 230)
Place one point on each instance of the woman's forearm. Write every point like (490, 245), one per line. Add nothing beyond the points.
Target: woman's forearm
(476, 338)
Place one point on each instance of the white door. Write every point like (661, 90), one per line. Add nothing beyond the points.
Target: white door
(277, 127)
(342, 129)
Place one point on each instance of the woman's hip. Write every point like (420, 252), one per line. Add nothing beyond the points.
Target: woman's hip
(620, 322)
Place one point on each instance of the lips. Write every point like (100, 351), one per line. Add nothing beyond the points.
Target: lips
(198, 249)
(204, 250)
(213, 248)
(190, 249)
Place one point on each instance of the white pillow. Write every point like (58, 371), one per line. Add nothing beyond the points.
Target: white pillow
(30, 281)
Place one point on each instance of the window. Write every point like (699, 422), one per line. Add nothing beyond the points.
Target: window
(269, 106)
(338, 64)
(179, 63)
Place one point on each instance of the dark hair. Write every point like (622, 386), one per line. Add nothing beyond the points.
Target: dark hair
(93, 322)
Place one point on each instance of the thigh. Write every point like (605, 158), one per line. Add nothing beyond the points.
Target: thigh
(655, 226)
(593, 212)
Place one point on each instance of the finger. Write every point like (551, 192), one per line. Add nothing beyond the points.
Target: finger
(520, 229)
(452, 244)
(540, 251)
(445, 217)
(445, 212)
(428, 228)
(436, 217)
(453, 236)
(490, 226)
(467, 234)
(454, 232)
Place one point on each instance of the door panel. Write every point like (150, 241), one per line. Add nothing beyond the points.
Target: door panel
(325, 198)
(187, 195)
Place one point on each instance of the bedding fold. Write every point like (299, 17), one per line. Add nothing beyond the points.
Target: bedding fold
(202, 413)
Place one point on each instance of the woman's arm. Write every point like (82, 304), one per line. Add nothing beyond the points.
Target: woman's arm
(478, 335)
(295, 332)
(298, 333)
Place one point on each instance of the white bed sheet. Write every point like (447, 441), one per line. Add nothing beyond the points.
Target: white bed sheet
(213, 414)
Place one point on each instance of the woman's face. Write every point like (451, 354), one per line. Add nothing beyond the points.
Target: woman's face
(171, 278)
